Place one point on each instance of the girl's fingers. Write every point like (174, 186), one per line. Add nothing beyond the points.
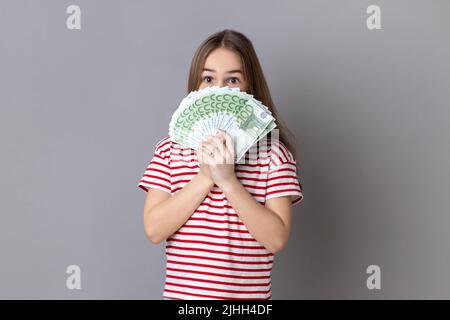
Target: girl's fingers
(219, 147)
(208, 147)
(205, 156)
(230, 146)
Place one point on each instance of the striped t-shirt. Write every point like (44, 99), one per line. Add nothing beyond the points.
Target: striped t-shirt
(213, 255)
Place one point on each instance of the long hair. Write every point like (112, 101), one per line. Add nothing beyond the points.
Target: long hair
(257, 85)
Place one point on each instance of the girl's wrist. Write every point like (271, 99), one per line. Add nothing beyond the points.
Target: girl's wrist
(205, 180)
(228, 184)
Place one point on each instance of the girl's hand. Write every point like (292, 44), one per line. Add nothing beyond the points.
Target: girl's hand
(204, 168)
(218, 153)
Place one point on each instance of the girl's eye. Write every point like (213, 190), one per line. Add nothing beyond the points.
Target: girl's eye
(236, 80)
(207, 77)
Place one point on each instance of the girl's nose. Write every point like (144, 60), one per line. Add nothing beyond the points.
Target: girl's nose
(221, 83)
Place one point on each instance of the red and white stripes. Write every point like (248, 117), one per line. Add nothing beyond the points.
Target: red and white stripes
(213, 255)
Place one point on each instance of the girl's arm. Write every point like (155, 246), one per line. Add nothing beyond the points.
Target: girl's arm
(269, 224)
(164, 215)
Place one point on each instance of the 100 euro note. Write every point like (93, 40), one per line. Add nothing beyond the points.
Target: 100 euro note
(202, 112)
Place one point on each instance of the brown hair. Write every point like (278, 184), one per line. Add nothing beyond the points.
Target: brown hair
(257, 85)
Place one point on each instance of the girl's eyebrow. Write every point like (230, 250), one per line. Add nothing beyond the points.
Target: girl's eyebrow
(231, 71)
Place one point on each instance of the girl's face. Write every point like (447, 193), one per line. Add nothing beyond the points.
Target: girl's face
(223, 67)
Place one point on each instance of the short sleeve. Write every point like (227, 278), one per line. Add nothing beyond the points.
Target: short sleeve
(157, 174)
(282, 179)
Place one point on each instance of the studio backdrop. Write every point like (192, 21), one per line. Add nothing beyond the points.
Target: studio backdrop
(87, 88)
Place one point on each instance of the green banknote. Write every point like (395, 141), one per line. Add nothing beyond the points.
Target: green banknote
(202, 112)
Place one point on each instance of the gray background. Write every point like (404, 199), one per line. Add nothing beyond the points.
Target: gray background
(82, 110)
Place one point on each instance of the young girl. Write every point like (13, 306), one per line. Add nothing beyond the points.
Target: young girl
(222, 222)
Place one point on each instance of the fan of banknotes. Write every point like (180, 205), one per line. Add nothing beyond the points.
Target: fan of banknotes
(239, 114)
